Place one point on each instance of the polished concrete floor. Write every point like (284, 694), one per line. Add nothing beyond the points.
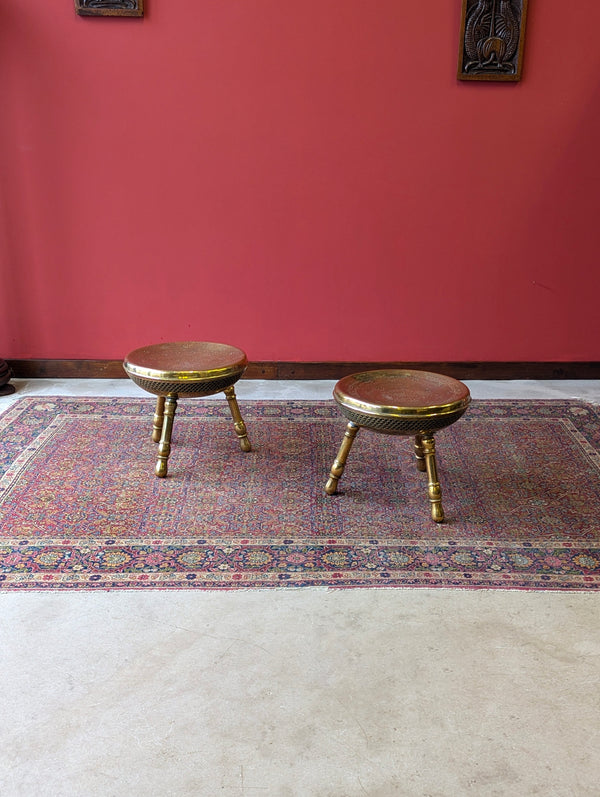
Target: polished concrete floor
(300, 693)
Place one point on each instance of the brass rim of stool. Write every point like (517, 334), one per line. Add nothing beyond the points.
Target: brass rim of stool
(183, 376)
(375, 410)
(180, 378)
(236, 363)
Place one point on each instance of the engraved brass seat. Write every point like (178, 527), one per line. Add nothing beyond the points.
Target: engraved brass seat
(400, 402)
(188, 369)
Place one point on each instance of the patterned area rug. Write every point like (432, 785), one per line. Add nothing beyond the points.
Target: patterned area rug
(80, 507)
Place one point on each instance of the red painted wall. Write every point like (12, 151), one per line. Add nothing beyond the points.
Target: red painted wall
(304, 178)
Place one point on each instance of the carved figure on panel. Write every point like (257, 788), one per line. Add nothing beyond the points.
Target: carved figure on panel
(123, 8)
(108, 4)
(492, 39)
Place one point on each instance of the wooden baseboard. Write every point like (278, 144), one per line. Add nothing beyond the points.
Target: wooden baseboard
(113, 369)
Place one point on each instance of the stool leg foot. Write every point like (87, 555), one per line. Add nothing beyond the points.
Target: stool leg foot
(238, 423)
(164, 446)
(339, 462)
(419, 455)
(157, 422)
(434, 489)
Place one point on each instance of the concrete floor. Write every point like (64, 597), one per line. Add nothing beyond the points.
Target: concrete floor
(306, 693)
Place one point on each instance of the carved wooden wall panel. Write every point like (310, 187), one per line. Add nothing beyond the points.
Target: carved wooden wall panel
(492, 37)
(110, 8)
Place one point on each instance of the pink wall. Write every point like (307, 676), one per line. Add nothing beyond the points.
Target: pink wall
(304, 178)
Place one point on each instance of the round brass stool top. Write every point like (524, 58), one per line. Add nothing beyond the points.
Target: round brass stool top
(187, 368)
(401, 401)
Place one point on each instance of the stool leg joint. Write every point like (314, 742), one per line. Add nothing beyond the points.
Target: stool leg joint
(157, 423)
(419, 455)
(339, 462)
(238, 422)
(164, 446)
(434, 490)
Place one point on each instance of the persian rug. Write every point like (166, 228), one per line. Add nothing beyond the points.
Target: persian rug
(80, 507)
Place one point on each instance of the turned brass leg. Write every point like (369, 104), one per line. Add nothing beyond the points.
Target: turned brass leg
(339, 462)
(238, 423)
(164, 447)
(434, 490)
(157, 423)
(419, 455)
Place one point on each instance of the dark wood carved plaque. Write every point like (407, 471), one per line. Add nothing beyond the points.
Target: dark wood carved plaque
(110, 8)
(492, 36)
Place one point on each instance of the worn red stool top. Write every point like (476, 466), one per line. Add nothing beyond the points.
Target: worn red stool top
(190, 368)
(398, 401)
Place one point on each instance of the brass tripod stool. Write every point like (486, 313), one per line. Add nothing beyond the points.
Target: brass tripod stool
(416, 403)
(188, 369)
